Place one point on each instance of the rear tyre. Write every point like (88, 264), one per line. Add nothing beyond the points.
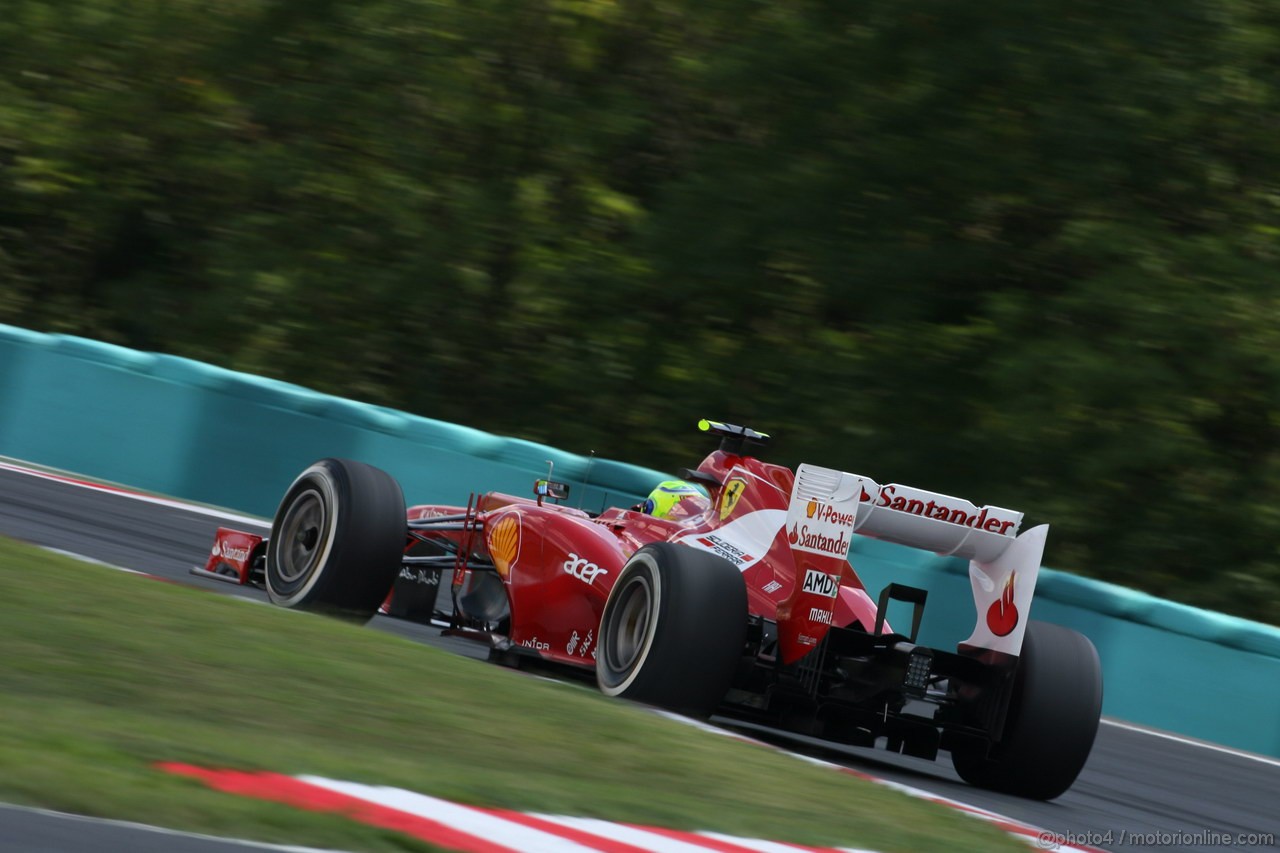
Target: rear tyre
(337, 540)
(673, 629)
(1052, 720)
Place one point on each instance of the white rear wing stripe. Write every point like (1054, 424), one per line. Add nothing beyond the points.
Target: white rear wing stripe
(934, 522)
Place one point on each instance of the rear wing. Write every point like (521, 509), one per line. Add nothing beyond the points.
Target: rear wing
(1003, 565)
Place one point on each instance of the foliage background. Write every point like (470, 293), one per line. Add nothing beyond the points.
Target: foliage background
(1019, 251)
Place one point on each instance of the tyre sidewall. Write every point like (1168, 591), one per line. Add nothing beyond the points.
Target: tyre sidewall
(365, 524)
(641, 568)
(696, 630)
(322, 477)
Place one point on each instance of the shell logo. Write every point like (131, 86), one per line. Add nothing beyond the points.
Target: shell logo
(811, 509)
(504, 542)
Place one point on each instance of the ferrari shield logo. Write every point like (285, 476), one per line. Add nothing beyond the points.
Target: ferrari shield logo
(732, 492)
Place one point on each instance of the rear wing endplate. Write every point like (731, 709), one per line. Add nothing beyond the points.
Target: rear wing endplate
(1003, 565)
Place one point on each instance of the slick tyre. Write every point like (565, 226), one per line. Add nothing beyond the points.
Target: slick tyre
(1052, 720)
(336, 540)
(673, 629)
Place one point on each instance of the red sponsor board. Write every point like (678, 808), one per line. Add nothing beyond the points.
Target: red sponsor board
(232, 553)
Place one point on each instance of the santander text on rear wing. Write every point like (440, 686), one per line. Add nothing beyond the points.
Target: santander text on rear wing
(1003, 565)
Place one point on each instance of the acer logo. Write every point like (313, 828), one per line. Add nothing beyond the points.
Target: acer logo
(583, 569)
(821, 583)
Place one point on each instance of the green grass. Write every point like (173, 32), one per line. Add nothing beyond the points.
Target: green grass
(105, 673)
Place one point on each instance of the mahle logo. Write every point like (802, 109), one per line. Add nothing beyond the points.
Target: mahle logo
(817, 614)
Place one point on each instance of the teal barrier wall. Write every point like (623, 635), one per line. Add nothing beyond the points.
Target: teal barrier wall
(185, 428)
(189, 429)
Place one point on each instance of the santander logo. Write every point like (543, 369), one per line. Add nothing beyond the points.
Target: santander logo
(931, 505)
(1002, 615)
(227, 552)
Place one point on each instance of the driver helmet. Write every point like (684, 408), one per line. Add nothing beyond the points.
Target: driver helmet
(675, 499)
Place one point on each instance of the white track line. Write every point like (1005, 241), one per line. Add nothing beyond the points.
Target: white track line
(461, 818)
(1239, 753)
(474, 828)
(137, 496)
(82, 558)
(632, 835)
(770, 846)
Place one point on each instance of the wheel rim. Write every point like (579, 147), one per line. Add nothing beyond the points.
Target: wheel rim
(302, 537)
(629, 625)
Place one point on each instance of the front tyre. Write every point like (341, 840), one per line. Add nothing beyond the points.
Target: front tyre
(336, 540)
(673, 629)
(1052, 719)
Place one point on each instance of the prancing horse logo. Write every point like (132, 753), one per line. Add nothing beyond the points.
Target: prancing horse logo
(732, 492)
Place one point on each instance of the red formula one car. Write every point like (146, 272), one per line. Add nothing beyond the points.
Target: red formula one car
(747, 608)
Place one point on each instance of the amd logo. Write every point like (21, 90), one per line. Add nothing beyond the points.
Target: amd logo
(821, 583)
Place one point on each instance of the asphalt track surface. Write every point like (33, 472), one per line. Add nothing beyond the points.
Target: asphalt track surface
(1138, 791)
(24, 830)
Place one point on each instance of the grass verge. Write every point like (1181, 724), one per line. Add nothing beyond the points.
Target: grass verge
(105, 673)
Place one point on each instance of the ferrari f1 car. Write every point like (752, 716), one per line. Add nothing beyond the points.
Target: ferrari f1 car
(748, 608)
